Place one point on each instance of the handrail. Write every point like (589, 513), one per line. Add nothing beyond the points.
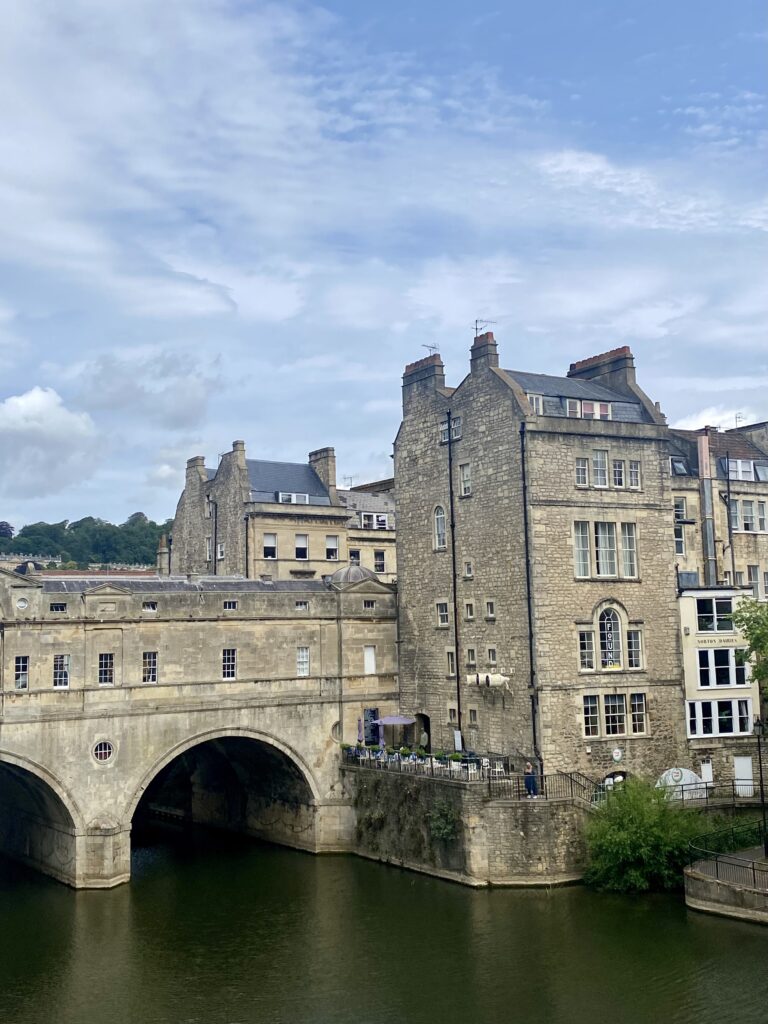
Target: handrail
(706, 854)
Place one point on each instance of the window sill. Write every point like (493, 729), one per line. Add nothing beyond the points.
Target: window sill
(490, 618)
(607, 579)
(462, 496)
(446, 626)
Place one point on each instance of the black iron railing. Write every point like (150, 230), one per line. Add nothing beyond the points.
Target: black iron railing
(698, 793)
(716, 854)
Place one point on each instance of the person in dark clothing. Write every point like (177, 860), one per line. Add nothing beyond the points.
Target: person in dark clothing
(531, 789)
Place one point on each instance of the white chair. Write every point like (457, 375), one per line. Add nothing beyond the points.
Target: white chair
(472, 772)
(498, 770)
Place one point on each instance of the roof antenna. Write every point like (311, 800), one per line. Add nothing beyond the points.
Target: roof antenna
(739, 419)
(349, 480)
(432, 349)
(480, 324)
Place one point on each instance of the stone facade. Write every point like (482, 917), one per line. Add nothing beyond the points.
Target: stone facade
(277, 520)
(104, 684)
(536, 579)
(496, 842)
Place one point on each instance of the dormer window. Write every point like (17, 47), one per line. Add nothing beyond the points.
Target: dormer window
(741, 469)
(679, 466)
(587, 410)
(289, 498)
(536, 403)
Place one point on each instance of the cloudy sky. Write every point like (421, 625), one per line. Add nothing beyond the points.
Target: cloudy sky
(230, 219)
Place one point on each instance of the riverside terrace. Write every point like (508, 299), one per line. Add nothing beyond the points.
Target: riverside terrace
(504, 780)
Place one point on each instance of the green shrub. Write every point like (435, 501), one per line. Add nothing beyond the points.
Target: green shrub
(638, 840)
(443, 821)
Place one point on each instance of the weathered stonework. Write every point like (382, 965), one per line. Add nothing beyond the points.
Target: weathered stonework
(69, 813)
(252, 518)
(522, 466)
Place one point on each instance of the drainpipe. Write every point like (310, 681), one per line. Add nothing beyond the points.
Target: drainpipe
(215, 551)
(730, 521)
(707, 513)
(529, 600)
(245, 521)
(453, 577)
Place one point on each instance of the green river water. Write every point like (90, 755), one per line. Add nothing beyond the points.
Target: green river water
(216, 929)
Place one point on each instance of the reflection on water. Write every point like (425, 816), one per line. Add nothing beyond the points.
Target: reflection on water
(216, 929)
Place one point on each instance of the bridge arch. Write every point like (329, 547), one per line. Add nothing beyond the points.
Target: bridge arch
(40, 821)
(219, 734)
(235, 779)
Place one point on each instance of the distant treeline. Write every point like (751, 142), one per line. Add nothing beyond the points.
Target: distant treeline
(88, 540)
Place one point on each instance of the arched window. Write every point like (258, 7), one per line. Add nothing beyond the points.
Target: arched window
(439, 527)
(610, 639)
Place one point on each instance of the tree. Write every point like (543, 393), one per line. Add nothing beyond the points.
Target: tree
(751, 619)
(6, 531)
(638, 840)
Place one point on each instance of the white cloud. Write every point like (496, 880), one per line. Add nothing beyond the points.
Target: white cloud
(44, 447)
(717, 416)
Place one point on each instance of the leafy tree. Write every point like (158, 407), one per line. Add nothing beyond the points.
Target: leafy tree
(91, 540)
(751, 618)
(638, 840)
(6, 530)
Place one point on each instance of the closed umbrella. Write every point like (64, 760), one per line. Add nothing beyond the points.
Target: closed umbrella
(360, 733)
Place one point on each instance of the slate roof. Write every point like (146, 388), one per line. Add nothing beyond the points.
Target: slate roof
(269, 478)
(175, 584)
(566, 387)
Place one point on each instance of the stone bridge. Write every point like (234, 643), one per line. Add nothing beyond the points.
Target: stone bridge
(182, 697)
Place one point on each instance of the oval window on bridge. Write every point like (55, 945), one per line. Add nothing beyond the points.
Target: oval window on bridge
(103, 750)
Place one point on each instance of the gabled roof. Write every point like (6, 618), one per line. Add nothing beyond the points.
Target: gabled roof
(268, 479)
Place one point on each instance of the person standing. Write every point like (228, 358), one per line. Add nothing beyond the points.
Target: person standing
(531, 789)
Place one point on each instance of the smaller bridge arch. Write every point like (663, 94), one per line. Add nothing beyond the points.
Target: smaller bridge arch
(41, 823)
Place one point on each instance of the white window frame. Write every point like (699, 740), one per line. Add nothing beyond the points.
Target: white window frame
(266, 547)
(441, 613)
(629, 569)
(635, 659)
(379, 561)
(465, 479)
(220, 551)
(748, 519)
(331, 547)
(229, 605)
(21, 672)
(469, 610)
(606, 555)
(573, 408)
(149, 666)
(439, 530)
(610, 640)
(740, 714)
(618, 472)
(302, 661)
(638, 714)
(106, 668)
(634, 475)
(590, 715)
(600, 468)
(615, 714)
(302, 606)
(709, 671)
(490, 609)
(301, 547)
(229, 663)
(582, 550)
(493, 655)
(741, 469)
(717, 615)
(536, 403)
(586, 650)
(61, 671)
(582, 471)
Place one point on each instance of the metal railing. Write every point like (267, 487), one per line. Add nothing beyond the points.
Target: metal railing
(732, 793)
(496, 775)
(712, 854)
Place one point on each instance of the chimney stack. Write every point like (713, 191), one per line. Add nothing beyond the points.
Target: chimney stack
(323, 461)
(484, 352)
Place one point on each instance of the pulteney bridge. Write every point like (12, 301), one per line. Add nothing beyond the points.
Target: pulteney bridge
(223, 701)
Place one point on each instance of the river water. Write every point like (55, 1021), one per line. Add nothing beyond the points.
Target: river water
(215, 929)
